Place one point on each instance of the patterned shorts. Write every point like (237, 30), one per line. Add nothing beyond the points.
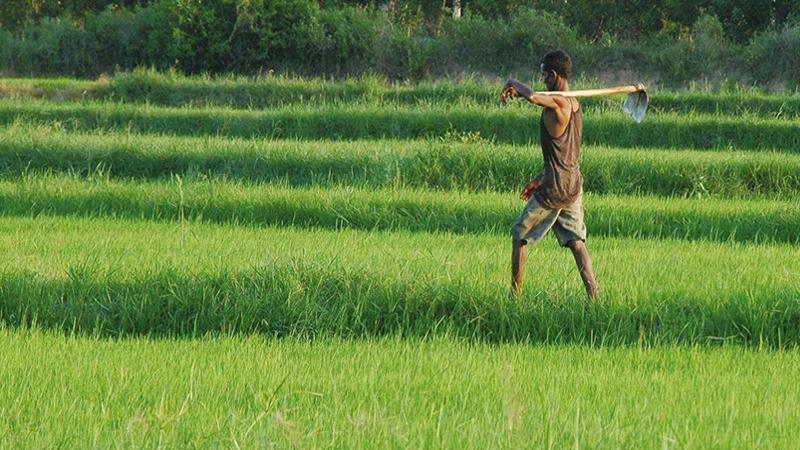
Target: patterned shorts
(536, 220)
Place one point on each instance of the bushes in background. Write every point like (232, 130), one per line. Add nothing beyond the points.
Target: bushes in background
(773, 57)
(335, 39)
(103, 42)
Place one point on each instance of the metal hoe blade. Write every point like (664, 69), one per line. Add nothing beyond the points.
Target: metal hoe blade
(635, 104)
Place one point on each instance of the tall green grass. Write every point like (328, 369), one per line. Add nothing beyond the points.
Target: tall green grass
(52, 88)
(516, 124)
(187, 279)
(171, 244)
(249, 392)
(268, 92)
(171, 90)
(447, 163)
(394, 209)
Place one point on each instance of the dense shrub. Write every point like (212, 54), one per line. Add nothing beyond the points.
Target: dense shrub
(399, 54)
(533, 33)
(774, 57)
(679, 55)
(123, 39)
(498, 46)
(346, 41)
(53, 46)
(474, 43)
(245, 35)
(107, 41)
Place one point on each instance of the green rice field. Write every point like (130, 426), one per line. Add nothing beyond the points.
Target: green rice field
(274, 262)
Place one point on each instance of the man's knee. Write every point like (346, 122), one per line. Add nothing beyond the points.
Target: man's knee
(576, 245)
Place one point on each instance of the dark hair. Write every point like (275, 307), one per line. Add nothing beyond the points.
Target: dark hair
(558, 61)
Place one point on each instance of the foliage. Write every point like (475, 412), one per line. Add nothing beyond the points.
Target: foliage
(345, 45)
(404, 40)
(773, 57)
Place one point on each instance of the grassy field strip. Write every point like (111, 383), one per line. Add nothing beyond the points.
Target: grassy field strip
(449, 164)
(98, 276)
(310, 121)
(52, 88)
(407, 209)
(440, 393)
(240, 92)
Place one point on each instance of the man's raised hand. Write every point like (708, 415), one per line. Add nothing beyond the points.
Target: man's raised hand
(508, 92)
(514, 88)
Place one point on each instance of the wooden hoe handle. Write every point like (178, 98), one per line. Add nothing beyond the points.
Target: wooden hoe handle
(597, 92)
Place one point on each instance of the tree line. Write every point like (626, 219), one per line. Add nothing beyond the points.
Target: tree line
(669, 41)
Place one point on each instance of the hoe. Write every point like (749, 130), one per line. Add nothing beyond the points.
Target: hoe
(635, 103)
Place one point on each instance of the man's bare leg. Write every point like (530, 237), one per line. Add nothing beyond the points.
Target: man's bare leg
(519, 251)
(584, 262)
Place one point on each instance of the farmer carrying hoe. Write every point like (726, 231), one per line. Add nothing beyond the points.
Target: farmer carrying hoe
(554, 197)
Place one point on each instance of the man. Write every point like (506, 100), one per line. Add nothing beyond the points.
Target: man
(554, 197)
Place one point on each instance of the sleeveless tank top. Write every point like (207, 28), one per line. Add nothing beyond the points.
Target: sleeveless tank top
(562, 180)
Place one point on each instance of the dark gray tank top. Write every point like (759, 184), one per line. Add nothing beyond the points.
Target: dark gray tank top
(562, 181)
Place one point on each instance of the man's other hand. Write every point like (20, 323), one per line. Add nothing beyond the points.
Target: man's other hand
(526, 192)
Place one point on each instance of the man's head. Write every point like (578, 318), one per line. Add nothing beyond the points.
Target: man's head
(556, 68)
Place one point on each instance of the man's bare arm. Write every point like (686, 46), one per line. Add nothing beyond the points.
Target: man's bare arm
(514, 88)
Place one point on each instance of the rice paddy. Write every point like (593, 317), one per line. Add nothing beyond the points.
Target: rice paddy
(281, 262)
